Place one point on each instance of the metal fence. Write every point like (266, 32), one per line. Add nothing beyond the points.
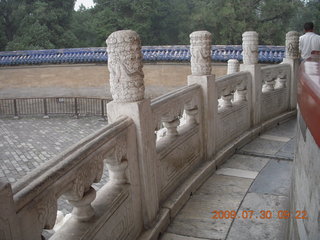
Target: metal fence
(75, 106)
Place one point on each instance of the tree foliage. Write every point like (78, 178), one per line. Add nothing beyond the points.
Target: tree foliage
(40, 24)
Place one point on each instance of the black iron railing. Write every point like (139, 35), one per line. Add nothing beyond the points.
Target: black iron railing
(75, 106)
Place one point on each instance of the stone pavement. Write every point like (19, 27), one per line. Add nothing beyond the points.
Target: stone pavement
(27, 142)
(254, 183)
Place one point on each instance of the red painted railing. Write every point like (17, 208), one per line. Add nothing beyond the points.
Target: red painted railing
(309, 94)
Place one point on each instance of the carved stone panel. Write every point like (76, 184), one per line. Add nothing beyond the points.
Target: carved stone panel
(273, 103)
(232, 123)
(125, 66)
(176, 163)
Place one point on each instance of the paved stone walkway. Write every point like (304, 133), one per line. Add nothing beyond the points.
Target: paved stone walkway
(26, 143)
(254, 183)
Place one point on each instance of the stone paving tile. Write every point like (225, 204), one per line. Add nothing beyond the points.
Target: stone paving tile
(288, 150)
(245, 162)
(26, 143)
(274, 179)
(218, 193)
(171, 236)
(268, 191)
(257, 227)
(287, 129)
(262, 147)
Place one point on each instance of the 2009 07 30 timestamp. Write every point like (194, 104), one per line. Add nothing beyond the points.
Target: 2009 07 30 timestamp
(263, 214)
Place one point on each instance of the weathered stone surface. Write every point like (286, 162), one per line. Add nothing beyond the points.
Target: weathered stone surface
(274, 179)
(246, 162)
(125, 66)
(233, 66)
(9, 229)
(200, 49)
(287, 151)
(292, 45)
(305, 189)
(208, 86)
(217, 193)
(237, 173)
(256, 227)
(250, 47)
(140, 113)
(263, 147)
(171, 236)
(287, 130)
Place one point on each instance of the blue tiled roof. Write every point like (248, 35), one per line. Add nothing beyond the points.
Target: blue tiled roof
(220, 53)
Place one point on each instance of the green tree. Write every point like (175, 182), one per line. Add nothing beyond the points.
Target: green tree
(113, 15)
(83, 27)
(38, 24)
(228, 19)
(274, 18)
(310, 12)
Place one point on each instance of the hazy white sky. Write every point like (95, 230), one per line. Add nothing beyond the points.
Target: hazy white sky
(86, 3)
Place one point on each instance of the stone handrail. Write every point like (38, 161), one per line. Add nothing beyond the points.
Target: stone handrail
(151, 179)
(275, 77)
(71, 174)
(180, 150)
(275, 97)
(234, 110)
(233, 89)
(170, 107)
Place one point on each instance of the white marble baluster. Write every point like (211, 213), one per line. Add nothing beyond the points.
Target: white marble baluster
(282, 81)
(192, 116)
(226, 101)
(117, 171)
(233, 66)
(241, 95)
(82, 209)
(172, 127)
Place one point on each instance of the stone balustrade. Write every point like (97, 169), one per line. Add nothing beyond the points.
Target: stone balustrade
(275, 95)
(234, 109)
(180, 150)
(151, 177)
(71, 175)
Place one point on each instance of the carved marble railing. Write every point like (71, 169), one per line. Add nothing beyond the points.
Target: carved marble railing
(275, 96)
(71, 174)
(234, 109)
(180, 149)
(152, 175)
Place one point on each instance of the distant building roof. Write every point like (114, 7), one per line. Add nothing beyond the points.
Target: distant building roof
(180, 53)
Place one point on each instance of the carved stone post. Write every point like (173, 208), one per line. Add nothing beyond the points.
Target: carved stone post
(127, 89)
(200, 49)
(125, 66)
(233, 66)
(250, 64)
(9, 227)
(292, 58)
(250, 47)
